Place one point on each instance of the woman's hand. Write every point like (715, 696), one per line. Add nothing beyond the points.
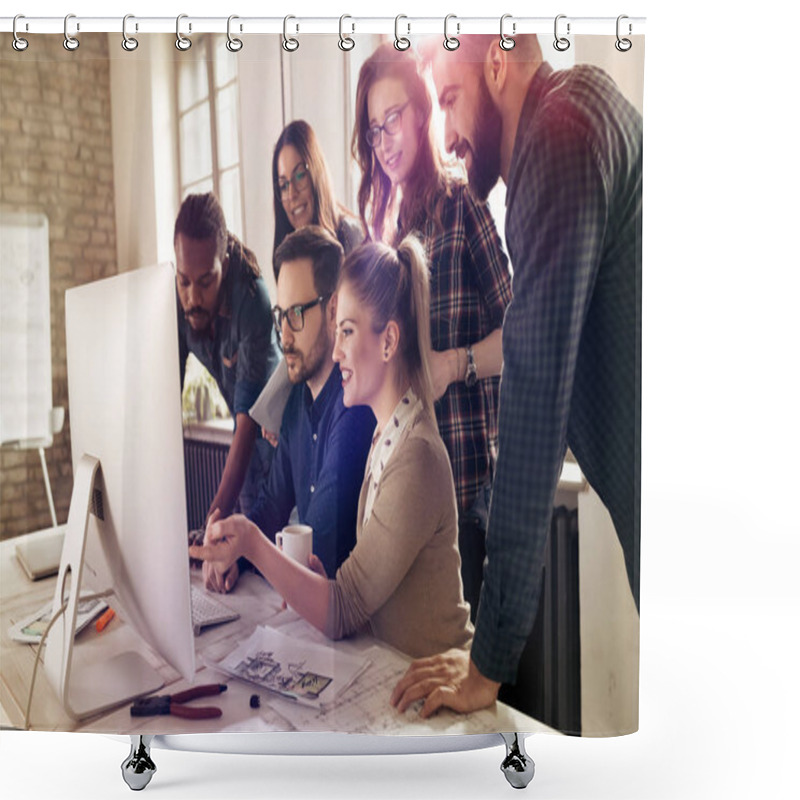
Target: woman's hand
(315, 565)
(226, 541)
(444, 371)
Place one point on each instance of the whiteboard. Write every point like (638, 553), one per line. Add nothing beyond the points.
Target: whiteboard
(26, 387)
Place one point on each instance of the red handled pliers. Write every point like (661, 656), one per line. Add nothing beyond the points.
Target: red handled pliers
(173, 703)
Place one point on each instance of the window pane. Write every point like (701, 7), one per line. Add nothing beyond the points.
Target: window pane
(228, 126)
(202, 398)
(231, 199)
(200, 187)
(225, 69)
(195, 144)
(192, 79)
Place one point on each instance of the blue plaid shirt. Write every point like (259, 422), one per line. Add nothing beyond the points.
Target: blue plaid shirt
(571, 340)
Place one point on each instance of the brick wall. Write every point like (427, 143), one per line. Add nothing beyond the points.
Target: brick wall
(55, 158)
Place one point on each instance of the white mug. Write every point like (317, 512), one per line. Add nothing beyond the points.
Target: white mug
(295, 541)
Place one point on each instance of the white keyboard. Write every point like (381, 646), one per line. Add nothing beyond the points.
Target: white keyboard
(207, 610)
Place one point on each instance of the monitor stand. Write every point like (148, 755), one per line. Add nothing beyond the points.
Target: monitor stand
(88, 688)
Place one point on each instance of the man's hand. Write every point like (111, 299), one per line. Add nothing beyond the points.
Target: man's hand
(218, 581)
(449, 679)
(271, 437)
(315, 565)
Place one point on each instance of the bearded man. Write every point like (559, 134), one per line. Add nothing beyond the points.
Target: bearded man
(568, 146)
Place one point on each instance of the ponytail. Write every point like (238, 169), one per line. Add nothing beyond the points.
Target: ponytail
(393, 284)
(411, 255)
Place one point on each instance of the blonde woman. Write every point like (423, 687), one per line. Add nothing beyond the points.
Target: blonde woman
(402, 580)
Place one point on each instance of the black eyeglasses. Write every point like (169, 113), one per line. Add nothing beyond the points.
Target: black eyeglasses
(294, 315)
(300, 179)
(391, 125)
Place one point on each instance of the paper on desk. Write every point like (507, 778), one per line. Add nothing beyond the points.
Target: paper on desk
(30, 629)
(267, 410)
(300, 671)
(366, 708)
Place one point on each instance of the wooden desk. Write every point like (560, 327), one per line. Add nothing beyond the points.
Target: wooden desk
(363, 709)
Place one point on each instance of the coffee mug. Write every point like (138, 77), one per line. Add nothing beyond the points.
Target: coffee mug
(295, 541)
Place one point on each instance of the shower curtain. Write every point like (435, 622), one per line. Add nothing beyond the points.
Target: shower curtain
(107, 141)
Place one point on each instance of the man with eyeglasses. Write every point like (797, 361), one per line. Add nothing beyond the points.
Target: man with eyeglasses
(322, 448)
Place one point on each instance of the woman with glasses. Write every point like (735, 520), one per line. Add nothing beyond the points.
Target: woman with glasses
(405, 188)
(402, 578)
(303, 195)
(303, 189)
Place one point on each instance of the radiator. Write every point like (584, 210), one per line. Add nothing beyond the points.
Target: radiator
(549, 683)
(203, 465)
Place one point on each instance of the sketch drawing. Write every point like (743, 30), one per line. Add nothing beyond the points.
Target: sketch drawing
(264, 669)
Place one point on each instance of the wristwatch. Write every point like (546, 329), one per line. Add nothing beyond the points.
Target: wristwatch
(471, 378)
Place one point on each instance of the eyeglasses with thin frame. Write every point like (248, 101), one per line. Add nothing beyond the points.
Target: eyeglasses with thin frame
(300, 178)
(391, 125)
(294, 315)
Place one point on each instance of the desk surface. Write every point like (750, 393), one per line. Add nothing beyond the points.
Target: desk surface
(364, 708)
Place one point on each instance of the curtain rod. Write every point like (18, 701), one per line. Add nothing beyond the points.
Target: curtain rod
(346, 25)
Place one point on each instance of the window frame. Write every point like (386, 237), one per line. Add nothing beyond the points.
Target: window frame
(208, 57)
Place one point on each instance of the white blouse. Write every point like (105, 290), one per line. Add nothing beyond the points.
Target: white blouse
(384, 443)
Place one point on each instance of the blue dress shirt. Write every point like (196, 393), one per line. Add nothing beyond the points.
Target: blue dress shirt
(318, 466)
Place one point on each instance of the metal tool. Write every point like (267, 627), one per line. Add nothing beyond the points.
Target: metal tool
(174, 703)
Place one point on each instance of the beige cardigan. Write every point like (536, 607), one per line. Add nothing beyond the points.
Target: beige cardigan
(403, 578)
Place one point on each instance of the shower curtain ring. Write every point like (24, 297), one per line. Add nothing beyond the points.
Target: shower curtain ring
(233, 44)
(561, 43)
(18, 43)
(129, 43)
(70, 42)
(623, 45)
(506, 42)
(346, 41)
(451, 42)
(401, 42)
(290, 44)
(181, 42)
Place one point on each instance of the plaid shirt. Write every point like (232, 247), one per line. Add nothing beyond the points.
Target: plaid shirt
(470, 285)
(571, 340)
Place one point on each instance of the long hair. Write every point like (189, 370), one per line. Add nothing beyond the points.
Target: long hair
(327, 212)
(427, 186)
(201, 217)
(393, 284)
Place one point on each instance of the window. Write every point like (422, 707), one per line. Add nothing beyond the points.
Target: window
(208, 126)
(208, 143)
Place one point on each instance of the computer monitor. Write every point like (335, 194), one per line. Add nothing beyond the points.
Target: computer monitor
(127, 527)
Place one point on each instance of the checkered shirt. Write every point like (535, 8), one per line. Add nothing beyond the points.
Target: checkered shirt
(470, 283)
(571, 340)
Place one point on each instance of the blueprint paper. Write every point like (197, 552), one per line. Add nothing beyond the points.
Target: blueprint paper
(298, 671)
